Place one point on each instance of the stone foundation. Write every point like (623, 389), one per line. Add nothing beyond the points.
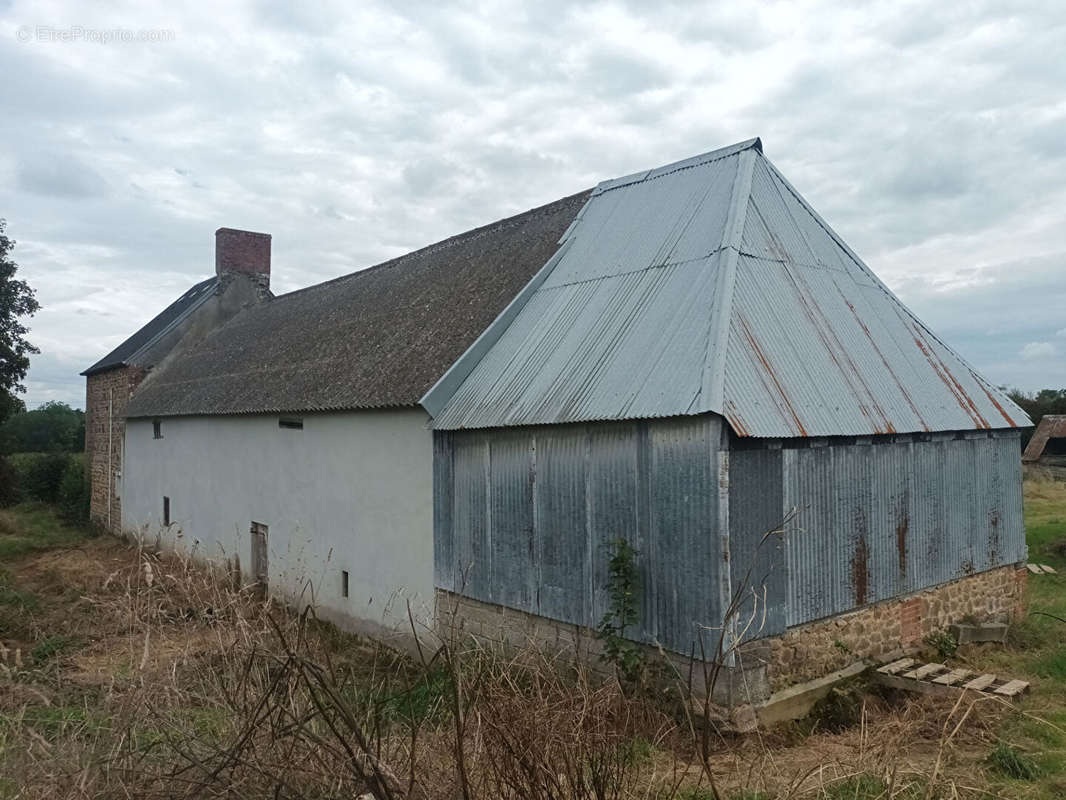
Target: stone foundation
(899, 625)
(801, 654)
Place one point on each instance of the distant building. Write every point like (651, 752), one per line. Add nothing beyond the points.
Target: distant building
(688, 358)
(1048, 441)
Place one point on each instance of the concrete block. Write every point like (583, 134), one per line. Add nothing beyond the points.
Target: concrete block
(984, 632)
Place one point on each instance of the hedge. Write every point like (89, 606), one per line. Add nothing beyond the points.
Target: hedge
(55, 478)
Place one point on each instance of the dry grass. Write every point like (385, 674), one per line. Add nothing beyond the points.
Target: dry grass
(141, 675)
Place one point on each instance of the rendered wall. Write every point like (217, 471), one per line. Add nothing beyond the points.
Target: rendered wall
(347, 492)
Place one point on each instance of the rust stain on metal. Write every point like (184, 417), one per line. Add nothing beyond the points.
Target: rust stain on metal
(833, 345)
(860, 571)
(993, 401)
(769, 373)
(888, 368)
(734, 419)
(963, 399)
(902, 529)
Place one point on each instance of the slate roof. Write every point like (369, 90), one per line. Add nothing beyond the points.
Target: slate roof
(710, 285)
(377, 338)
(137, 345)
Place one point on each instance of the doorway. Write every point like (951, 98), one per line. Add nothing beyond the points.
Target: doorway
(260, 569)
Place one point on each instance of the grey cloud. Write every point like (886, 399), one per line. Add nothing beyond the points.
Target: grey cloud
(621, 74)
(58, 175)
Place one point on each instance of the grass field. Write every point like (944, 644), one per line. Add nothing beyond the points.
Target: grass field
(128, 674)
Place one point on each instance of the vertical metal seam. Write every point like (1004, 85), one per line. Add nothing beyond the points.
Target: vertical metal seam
(725, 587)
(644, 527)
(538, 558)
(488, 517)
(590, 581)
(713, 385)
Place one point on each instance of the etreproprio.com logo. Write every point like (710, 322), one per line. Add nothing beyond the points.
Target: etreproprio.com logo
(80, 33)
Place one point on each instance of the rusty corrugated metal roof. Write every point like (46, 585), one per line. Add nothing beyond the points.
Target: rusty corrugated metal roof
(1052, 426)
(710, 285)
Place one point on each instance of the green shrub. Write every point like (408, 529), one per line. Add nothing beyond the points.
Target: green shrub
(9, 485)
(73, 495)
(944, 644)
(623, 612)
(38, 475)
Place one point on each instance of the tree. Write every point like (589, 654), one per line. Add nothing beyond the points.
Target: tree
(52, 428)
(1036, 405)
(17, 300)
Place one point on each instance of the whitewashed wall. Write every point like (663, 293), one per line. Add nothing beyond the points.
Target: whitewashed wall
(349, 492)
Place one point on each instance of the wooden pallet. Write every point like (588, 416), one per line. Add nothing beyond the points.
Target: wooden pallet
(1040, 569)
(915, 676)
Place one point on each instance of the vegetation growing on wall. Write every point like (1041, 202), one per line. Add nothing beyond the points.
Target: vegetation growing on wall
(623, 604)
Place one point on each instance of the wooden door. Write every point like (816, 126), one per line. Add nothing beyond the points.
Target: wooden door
(260, 569)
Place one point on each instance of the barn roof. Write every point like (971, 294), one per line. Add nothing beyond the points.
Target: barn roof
(373, 339)
(710, 285)
(138, 344)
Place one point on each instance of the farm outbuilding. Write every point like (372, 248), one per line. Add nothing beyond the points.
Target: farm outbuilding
(704, 362)
(1052, 429)
(688, 358)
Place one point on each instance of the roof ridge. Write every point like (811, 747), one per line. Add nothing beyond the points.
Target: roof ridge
(712, 387)
(112, 359)
(451, 241)
(676, 166)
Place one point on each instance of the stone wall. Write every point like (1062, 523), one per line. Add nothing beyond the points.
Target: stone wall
(878, 631)
(803, 653)
(106, 396)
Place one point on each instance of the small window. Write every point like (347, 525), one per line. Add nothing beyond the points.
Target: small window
(344, 583)
(296, 423)
(157, 429)
(166, 510)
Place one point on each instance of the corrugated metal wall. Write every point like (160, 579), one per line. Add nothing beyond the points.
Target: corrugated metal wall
(873, 521)
(525, 518)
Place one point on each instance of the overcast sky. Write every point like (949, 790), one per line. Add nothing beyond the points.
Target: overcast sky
(931, 135)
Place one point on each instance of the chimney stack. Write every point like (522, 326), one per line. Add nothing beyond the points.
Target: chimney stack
(242, 252)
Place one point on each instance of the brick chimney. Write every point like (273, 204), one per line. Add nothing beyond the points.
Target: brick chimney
(243, 254)
(241, 251)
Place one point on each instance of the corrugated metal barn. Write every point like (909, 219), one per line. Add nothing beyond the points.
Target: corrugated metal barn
(702, 356)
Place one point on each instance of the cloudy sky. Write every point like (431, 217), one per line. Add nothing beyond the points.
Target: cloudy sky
(931, 135)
